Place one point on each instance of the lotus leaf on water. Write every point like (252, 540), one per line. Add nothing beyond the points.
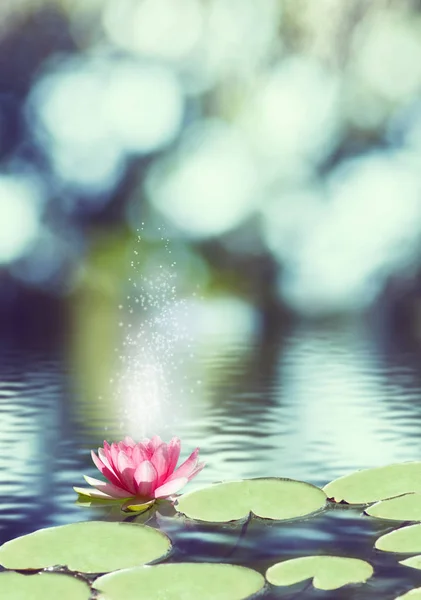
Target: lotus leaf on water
(43, 586)
(269, 498)
(406, 540)
(327, 572)
(402, 508)
(148, 472)
(88, 547)
(372, 485)
(414, 562)
(173, 581)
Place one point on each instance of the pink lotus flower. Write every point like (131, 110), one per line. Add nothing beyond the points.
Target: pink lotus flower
(145, 471)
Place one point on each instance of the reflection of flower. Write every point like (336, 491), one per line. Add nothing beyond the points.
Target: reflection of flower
(145, 471)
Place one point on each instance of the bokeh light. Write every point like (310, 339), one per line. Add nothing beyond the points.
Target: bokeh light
(369, 230)
(231, 23)
(90, 114)
(282, 133)
(210, 185)
(21, 205)
(293, 117)
(387, 55)
(143, 107)
(158, 28)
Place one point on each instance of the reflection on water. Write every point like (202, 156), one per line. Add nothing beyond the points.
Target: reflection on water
(315, 404)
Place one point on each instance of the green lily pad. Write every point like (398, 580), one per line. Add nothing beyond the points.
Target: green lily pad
(402, 508)
(328, 572)
(406, 540)
(372, 485)
(414, 562)
(88, 547)
(44, 586)
(181, 581)
(414, 594)
(269, 498)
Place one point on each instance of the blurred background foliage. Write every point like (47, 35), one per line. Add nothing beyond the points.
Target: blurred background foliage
(277, 143)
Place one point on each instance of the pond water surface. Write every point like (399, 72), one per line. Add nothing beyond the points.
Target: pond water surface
(313, 404)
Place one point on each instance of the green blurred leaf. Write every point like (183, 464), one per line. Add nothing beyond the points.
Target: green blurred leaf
(406, 540)
(328, 572)
(269, 498)
(186, 581)
(88, 547)
(43, 586)
(402, 508)
(372, 485)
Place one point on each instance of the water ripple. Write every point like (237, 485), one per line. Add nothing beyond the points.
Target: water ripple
(318, 404)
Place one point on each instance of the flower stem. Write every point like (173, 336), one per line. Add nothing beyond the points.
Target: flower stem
(241, 536)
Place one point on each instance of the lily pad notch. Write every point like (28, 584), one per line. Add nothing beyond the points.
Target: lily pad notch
(267, 498)
(327, 572)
